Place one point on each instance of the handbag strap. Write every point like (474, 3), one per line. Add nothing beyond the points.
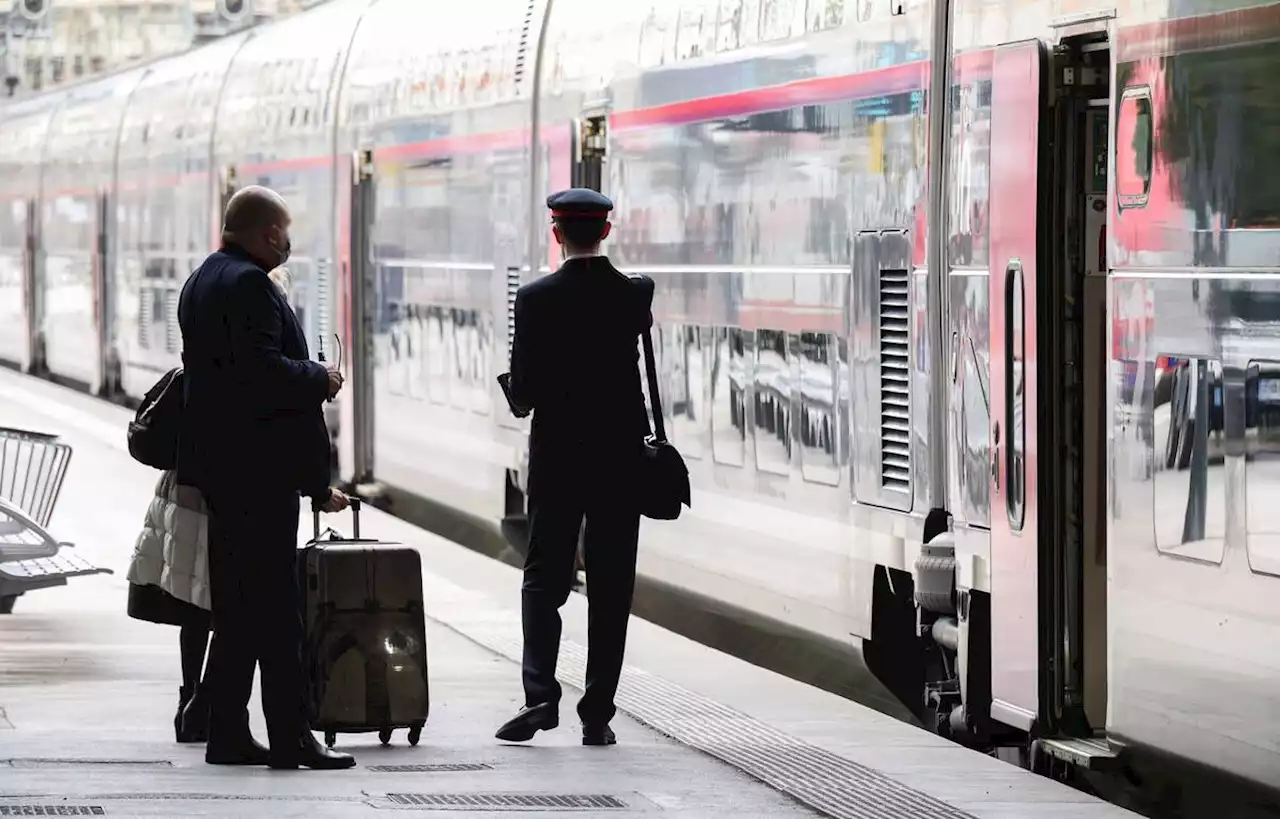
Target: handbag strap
(655, 397)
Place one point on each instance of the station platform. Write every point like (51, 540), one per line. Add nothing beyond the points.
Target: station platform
(87, 698)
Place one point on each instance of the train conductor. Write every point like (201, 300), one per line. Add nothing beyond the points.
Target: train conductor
(575, 365)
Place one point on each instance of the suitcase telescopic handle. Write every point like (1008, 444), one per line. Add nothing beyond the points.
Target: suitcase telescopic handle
(355, 519)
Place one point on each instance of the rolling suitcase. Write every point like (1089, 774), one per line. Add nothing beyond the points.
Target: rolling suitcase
(365, 643)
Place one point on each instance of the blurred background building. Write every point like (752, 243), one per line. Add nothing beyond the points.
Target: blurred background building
(47, 43)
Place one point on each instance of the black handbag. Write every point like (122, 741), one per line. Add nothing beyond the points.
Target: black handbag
(664, 479)
(153, 433)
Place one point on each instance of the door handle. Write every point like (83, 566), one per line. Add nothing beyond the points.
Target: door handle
(995, 456)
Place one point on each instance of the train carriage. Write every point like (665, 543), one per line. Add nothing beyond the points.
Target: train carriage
(966, 311)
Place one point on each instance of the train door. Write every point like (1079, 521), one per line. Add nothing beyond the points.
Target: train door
(1017, 102)
(1048, 365)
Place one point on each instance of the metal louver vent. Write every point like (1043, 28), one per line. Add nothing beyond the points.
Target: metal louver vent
(513, 286)
(144, 318)
(324, 316)
(524, 42)
(895, 381)
(172, 334)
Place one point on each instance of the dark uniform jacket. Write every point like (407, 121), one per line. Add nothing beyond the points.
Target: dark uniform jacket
(253, 418)
(575, 363)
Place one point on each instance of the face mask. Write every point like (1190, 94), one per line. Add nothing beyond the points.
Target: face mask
(283, 252)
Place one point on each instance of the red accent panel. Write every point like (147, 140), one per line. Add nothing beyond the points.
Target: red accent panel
(1015, 143)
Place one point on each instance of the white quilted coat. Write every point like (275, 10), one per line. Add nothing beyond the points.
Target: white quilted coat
(173, 550)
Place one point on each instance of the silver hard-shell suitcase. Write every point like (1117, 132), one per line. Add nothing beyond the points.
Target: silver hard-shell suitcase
(365, 645)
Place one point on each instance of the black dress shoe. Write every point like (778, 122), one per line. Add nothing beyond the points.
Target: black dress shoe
(244, 752)
(311, 754)
(598, 735)
(530, 720)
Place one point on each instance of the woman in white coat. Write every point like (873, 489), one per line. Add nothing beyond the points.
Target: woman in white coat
(169, 581)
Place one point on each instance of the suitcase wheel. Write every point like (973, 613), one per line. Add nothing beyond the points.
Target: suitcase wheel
(384, 736)
(415, 734)
(330, 739)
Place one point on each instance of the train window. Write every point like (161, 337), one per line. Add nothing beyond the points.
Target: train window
(686, 389)
(728, 25)
(771, 402)
(1262, 465)
(780, 18)
(1134, 147)
(825, 14)
(728, 397)
(1189, 476)
(1015, 347)
(689, 41)
(657, 40)
(820, 408)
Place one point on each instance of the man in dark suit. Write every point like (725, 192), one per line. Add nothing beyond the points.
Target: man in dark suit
(574, 363)
(253, 438)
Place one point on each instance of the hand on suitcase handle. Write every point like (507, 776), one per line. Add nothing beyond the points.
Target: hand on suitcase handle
(317, 508)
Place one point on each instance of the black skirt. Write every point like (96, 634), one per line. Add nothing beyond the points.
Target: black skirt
(155, 605)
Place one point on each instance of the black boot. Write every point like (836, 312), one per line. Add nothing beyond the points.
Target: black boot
(234, 744)
(309, 753)
(193, 719)
(184, 697)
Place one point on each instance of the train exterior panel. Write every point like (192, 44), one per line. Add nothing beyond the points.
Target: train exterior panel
(1029, 289)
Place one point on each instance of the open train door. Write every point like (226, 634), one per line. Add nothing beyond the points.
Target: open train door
(1017, 103)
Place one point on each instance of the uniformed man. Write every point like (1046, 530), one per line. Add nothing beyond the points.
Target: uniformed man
(574, 363)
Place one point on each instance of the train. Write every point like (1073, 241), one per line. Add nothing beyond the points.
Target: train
(968, 311)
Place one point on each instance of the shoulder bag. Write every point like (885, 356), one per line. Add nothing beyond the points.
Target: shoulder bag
(664, 480)
(153, 433)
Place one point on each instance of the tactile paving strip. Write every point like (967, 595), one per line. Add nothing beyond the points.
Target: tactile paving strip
(811, 775)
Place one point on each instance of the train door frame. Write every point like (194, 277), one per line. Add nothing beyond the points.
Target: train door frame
(33, 298)
(362, 281)
(100, 269)
(1073, 366)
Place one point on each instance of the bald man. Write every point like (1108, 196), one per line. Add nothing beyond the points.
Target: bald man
(254, 439)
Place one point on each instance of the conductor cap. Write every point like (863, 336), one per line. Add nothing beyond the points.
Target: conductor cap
(579, 203)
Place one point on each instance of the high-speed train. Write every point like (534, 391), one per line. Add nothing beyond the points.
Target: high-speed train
(968, 311)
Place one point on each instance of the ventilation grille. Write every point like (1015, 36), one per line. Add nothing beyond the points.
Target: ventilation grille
(895, 383)
(144, 317)
(52, 810)
(524, 41)
(172, 335)
(509, 801)
(442, 767)
(324, 316)
(513, 287)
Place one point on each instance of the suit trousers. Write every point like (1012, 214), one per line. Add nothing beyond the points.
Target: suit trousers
(256, 617)
(609, 547)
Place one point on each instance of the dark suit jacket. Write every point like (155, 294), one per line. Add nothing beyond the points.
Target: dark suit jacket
(575, 362)
(252, 421)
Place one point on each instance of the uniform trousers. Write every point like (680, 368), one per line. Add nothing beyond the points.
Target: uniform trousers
(256, 617)
(609, 551)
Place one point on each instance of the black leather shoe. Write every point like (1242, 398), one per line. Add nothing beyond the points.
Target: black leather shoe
(598, 735)
(245, 752)
(311, 754)
(530, 720)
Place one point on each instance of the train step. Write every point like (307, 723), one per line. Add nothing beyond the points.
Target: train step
(1091, 753)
